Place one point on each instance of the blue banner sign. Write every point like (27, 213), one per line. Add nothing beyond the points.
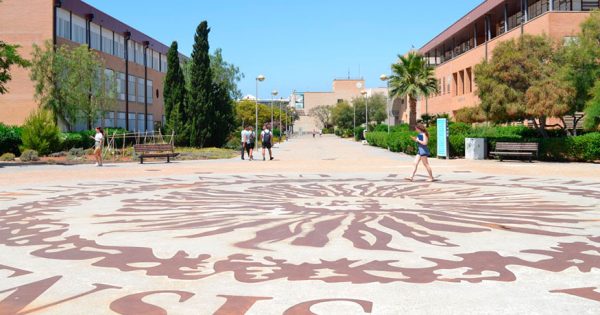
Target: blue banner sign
(442, 137)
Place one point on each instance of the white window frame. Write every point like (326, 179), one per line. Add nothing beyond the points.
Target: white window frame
(119, 46)
(150, 95)
(140, 90)
(132, 86)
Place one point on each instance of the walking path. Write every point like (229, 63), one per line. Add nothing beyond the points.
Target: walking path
(329, 227)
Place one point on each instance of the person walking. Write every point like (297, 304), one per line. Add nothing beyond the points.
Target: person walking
(98, 144)
(250, 140)
(266, 137)
(423, 152)
(243, 134)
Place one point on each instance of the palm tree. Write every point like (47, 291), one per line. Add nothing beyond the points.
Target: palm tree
(412, 77)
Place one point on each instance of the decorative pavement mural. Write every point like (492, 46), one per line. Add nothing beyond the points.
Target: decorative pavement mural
(301, 244)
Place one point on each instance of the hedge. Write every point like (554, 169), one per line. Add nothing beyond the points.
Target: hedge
(580, 148)
(10, 139)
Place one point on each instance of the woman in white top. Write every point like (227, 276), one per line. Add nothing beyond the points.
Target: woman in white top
(99, 141)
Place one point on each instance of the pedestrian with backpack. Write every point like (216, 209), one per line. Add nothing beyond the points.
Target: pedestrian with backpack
(267, 138)
(250, 139)
(244, 135)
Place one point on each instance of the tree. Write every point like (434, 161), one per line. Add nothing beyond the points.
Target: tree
(523, 81)
(322, 114)
(581, 67)
(72, 83)
(225, 74)
(200, 105)
(342, 115)
(245, 113)
(377, 105)
(175, 96)
(412, 78)
(9, 57)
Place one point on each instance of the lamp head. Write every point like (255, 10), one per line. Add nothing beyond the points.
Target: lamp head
(260, 78)
(384, 77)
(274, 92)
(363, 92)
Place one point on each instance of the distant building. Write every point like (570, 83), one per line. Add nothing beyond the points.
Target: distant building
(138, 61)
(342, 90)
(472, 39)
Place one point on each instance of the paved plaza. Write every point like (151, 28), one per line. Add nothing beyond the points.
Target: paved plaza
(329, 227)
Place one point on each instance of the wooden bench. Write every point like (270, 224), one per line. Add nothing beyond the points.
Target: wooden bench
(516, 149)
(154, 151)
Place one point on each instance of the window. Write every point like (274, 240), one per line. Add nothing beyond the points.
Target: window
(139, 54)
(163, 63)
(109, 79)
(131, 87)
(119, 46)
(121, 86)
(149, 59)
(130, 51)
(140, 90)
(149, 95)
(94, 36)
(141, 124)
(155, 61)
(63, 23)
(121, 122)
(78, 29)
(132, 125)
(150, 122)
(109, 119)
(107, 41)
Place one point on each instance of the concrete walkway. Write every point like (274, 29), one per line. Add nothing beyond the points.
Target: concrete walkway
(329, 227)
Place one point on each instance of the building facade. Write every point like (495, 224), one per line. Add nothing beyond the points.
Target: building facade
(137, 61)
(472, 39)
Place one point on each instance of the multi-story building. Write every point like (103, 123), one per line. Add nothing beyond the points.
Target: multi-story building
(472, 39)
(137, 61)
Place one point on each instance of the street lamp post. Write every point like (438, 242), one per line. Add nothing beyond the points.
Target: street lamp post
(364, 93)
(273, 93)
(260, 78)
(280, 125)
(386, 79)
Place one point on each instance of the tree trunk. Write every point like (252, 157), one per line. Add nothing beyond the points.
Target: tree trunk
(412, 118)
(542, 127)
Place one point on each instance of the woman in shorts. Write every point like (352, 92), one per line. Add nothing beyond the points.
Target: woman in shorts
(423, 152)
(99, 141)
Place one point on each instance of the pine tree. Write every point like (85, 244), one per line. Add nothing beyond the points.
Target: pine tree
(201, 107)
(174, 95)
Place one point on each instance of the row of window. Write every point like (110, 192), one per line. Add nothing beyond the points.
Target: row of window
(136, 87)
(458, 83)
(119, 120)
(74, 28)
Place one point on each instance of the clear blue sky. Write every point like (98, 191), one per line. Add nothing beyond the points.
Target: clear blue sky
(296, 44)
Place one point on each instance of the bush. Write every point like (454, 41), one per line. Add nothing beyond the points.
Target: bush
(10, 139)
(359, 133)
(7, 157)
(29, 156)
(234, 142)
(328, 130)
(40, 132)
(580, 148)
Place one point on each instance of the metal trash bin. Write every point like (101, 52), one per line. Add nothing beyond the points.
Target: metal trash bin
(475, 148)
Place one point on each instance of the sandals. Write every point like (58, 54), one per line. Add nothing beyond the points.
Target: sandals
(410, 179)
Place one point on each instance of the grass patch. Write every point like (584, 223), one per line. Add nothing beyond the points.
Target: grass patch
(186, 153)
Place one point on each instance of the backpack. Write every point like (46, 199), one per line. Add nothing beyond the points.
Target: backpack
(252, 137)
(267, 137)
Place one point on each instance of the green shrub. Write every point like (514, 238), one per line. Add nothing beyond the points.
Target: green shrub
(359, 133)
(234, 142)
(7, 157)
(40, 132)
(29, 156)
(580, 148)
(10, 139)
(328, 130)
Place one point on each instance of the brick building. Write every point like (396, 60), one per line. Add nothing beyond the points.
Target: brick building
(455, 52)
(137, 61)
